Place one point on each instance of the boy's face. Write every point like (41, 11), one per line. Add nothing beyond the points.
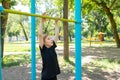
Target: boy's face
(48, 41)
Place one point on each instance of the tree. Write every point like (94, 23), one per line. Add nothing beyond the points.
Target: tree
(71, 31)
(12, 29)
(65, 26)
(108, 10)
(109, 7)
(97, 22)
(22, 21)
(17, 24)
(26, 37)
(7, 5)
(65, 8)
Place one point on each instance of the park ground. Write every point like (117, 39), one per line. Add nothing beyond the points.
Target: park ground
(99, 62)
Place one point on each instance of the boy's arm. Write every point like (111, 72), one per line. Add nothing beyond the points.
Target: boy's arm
(56, 31)
(40, 35)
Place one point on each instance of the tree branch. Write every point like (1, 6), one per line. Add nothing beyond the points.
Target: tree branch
(112, 4)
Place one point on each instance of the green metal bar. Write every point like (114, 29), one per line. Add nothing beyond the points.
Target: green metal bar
(36, 15)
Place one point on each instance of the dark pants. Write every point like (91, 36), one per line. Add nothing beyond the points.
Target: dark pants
(54, 78)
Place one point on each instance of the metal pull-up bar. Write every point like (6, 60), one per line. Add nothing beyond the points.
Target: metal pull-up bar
(77, 22)
(35, 15)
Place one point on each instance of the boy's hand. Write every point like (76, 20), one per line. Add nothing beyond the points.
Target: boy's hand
(43, 19)
(56, 21)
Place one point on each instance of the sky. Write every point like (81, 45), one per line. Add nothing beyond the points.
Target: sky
(22, 8)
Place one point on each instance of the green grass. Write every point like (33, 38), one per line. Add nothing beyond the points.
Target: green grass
(22, 59)
(107, 64)
(16, 47)
(62, 43)
(97, 43)
(103, 64)
(24, 46)
(16, 60)
(13, 60)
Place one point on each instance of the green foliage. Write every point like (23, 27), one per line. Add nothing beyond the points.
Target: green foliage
(54, 8)
(95, 22)
(13, 25)
(87, 7)
(71, 4)
(24, 2)
(112, 4)
(16, 60)
(11, 2)
(13, 30)
(95, 16)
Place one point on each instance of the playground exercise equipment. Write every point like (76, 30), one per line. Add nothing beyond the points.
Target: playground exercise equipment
(35, 15)
(0, 50)
(77, 21)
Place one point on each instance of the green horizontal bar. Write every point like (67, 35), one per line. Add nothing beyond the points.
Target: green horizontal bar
(36, 15)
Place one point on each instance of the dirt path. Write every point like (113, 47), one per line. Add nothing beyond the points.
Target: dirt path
(92, 53)
(24, 72)
(88, 55)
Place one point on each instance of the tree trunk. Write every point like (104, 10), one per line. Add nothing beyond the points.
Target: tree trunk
(65, 25)
(113, 24)
(59, 34)
(6, 5)
(70, 36)
(26, 37)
